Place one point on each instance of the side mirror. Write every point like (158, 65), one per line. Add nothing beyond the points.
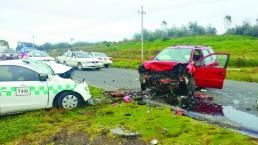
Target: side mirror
(152, 57)
(43, 77)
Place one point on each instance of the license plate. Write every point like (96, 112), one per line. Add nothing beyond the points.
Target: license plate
(24, 91)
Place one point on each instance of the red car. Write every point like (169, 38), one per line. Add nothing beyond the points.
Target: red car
(182, 69)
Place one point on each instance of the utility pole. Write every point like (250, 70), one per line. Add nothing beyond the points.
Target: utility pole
(142, 13)
(33, 41)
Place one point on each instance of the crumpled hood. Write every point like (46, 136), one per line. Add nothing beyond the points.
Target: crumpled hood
(59, 68)
(159, 66)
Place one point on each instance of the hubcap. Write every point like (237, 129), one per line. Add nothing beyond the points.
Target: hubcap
(70, 102)
(80, 67)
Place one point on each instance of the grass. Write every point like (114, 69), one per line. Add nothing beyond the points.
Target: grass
(92, 121)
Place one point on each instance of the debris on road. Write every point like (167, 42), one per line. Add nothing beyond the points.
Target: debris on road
(124, 133)
(154, 142)
(127, 99)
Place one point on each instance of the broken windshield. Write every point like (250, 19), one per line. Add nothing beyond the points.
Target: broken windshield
(175, 54)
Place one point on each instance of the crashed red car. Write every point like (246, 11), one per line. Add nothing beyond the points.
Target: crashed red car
(182, 69)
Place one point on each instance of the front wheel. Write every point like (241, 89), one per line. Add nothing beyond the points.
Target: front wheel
(106, 65)
(142, 81)
(190, 87)
(79, 66)
(68, 101)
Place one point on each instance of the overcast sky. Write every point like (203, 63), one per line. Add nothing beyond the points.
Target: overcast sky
(112, 20)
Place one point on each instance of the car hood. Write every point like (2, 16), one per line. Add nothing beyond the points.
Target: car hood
(159, 66)
(58, 68)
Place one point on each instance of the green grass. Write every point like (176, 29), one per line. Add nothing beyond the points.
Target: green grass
(40, 126)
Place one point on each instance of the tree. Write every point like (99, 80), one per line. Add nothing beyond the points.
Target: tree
(227, 22)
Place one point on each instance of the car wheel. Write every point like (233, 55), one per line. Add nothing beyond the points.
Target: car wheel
(189, 87)
(65, 63)
(98, 68)
(106, 65)
(69, 101)
(143, 85)
(79, 66)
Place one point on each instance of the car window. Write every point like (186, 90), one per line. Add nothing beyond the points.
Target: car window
(99, 54)
(218, 61)
(68, 54)
(17, 73)
(64, 54)
(38, 54)
(205, 52)
(175, 54)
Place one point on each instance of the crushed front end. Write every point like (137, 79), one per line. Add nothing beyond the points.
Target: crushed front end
(171, 78)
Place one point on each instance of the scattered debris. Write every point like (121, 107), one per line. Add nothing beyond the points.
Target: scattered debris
(90, 101)
(117, 94)
(114, 104)
(180, 112)
(203, 96)
(203, 90)
(127, 99)
(124, 133)
(141, 102)
(154, 141)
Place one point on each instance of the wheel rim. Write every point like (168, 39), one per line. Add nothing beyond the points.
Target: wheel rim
(70, 102)
(79, 66)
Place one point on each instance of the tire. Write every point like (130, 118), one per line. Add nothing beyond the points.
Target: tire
(68, 101)
(65, 63)
(106, 65)
(98, 68)
(79, 66)
(143, 85)
(190, 87)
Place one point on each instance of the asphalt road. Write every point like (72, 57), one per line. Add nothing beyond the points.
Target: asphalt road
(240, 95)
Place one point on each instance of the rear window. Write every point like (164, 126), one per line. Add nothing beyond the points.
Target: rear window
(99, 54)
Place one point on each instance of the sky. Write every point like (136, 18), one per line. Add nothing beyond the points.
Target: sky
(111, 20)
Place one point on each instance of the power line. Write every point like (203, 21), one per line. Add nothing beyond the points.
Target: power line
(142, 13)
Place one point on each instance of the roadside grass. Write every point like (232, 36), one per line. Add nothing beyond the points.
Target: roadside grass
(49, 126)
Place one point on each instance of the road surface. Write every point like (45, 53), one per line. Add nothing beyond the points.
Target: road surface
(240, 95)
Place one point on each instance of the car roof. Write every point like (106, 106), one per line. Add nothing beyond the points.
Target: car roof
(190, 46)
(20, 62)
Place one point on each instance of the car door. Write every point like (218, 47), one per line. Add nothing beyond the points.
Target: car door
(68, 58)
(210, 71)
(74, 60)
(21, 89)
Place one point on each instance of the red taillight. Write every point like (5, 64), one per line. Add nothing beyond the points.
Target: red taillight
(165, 81)
(110, 58)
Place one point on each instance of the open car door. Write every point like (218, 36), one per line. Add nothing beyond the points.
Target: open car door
(210, 71)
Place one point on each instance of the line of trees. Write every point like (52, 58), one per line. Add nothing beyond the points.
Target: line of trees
(244, 29)
(165, 33)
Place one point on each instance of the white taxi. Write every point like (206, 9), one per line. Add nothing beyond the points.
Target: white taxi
(80, 60)
(29, 85)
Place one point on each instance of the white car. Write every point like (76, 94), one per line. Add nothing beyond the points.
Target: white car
(29, 85)
(40, 55)
(107, 61)
(79, 60)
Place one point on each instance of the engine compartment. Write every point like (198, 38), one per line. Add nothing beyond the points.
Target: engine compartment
(173, 81)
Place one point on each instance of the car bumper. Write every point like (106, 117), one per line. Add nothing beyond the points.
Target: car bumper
(92, 65)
